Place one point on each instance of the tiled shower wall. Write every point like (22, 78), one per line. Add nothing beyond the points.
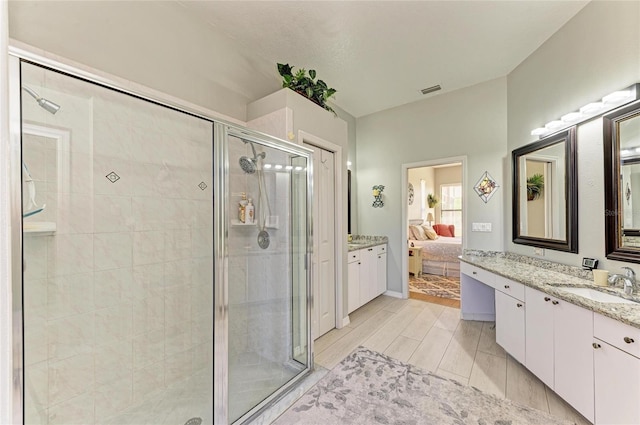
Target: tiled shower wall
(118, 301)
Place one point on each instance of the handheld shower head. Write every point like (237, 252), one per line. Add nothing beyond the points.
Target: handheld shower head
(250, 165)
(45, 104)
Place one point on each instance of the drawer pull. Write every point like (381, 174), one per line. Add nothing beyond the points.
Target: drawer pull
(628, 340)
(506, 286)
(547, 299)
(370, 249)
(359, 262)
(475, 272)
(518, 305)
(555, 302)
(596, 345)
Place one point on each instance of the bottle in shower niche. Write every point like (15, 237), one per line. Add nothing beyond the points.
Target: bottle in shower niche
(250, 212)
(242, 208)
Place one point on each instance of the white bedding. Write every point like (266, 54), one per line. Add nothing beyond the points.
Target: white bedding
(440, 256)
(441, 249)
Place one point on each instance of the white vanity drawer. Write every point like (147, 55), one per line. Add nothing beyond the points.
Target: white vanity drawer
(353, 256)
(618, 334)
(478, 274)
(509, 287)
(381, 249)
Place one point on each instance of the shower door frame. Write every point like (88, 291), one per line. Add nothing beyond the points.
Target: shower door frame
(221, 294)
(221, 128)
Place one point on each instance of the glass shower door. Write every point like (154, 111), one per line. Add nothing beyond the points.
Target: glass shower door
(268, 337)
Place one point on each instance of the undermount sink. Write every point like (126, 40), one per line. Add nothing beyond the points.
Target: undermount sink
(595, 295)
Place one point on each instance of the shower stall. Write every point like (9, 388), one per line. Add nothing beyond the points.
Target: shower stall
(143, 294)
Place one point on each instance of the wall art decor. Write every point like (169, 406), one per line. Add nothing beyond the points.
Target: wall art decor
(377, 195)
(410, 194)
(486, 187)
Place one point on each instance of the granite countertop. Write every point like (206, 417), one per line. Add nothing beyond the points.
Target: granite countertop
(362, 241)
(547, 276)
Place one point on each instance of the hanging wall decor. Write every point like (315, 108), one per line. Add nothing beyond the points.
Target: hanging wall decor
(377, 195)
(410, 194)
(486, 187)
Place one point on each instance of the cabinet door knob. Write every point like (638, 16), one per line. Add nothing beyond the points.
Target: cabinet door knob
(379, 256)
(547, 299)
(359, 262)
(596, 345)
(518, 305)
(370, 249)
(506, 286)
(475, 272)
(628, 340)
(555, 302)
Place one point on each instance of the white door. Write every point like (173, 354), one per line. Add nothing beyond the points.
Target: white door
(510, 325)
(324, 269)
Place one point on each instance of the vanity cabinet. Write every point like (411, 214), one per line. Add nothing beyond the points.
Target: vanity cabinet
(617, 372)
(539, 335)
(510, 325)
(353, 281)
(573, 356)
(367, 275)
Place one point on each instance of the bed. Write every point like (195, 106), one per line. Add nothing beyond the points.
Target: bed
(439, 256)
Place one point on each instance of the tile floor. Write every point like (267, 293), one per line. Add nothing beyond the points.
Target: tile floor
(433, 337)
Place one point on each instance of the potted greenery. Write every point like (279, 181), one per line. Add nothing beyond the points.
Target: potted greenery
(432, 201)
(316, 91)
(535, 186)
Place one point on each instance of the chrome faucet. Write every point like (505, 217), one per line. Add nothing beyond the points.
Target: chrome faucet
(628, 280)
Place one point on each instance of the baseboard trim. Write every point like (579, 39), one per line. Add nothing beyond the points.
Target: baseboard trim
(481, 317)
(346, 321)
(394, 294)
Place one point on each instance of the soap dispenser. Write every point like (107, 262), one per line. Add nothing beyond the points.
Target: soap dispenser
(250, 212)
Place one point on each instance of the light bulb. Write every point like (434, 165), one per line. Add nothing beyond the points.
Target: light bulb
(539, 131)
(616, 96)
(278, 167)
(571, 117)
(554, 124)
(289, 167)
(267, 166)
(590, 108)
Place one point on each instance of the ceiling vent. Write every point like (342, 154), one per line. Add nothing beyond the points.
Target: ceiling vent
(431, 89)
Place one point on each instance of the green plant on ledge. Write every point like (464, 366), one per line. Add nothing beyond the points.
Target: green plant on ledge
(432, 200)
(535, 186)
(316, 91)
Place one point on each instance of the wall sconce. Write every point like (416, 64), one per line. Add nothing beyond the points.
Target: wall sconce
(590, 110)
(377, 195)
(430, 218)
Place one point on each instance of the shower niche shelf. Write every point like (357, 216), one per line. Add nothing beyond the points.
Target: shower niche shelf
(241, 224)
(43, 228)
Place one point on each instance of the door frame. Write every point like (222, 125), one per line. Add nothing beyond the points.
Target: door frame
(340, 259)
(405, 199)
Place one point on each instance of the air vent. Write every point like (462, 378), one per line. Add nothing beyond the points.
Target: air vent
(431, 89)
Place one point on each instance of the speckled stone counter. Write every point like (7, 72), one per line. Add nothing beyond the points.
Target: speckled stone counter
(546, 276)
(361, 241)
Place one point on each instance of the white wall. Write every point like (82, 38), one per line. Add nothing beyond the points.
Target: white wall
(595, 53)
(157, 44)
(470, 122)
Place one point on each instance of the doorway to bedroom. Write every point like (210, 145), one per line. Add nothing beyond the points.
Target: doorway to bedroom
(434, 223)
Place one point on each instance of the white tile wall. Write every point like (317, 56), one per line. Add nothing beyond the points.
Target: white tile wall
(118, 302)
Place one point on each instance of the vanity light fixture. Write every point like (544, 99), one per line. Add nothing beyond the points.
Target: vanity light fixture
(590, 110)
(267, 166)
(278, 167)
(298, 168)
(289, 167)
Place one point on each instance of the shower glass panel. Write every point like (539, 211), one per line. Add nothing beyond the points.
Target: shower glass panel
(268, 340)
(118, 254)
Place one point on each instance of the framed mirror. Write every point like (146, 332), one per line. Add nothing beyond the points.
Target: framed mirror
(545, 193)
(622, 182)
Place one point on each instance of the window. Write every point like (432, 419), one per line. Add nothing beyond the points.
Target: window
(451, 206)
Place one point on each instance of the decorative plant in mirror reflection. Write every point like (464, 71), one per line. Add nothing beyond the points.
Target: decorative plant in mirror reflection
(316, 91)
(535, 186)
(432, 200)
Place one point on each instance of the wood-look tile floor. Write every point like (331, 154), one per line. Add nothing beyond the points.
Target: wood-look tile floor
(432, 337)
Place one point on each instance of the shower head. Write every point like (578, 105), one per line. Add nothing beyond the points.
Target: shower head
(250, 165)
(45, 104)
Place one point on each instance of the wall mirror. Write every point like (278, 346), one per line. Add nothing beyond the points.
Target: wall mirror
(622, 183)
(545, 193)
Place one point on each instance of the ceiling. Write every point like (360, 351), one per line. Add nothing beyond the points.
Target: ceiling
(380, 54)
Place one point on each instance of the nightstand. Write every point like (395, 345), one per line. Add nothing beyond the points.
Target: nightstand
(415, 260)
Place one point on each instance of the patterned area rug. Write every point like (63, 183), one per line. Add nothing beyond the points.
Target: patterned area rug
(434, 285)
(370, 388)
